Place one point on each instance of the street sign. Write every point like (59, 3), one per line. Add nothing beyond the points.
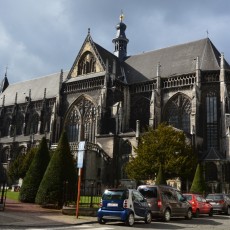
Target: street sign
(80, 155)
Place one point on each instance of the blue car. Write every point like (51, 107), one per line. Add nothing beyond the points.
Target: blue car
(125, 205)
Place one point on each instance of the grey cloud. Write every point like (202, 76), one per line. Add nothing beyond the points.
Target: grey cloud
(39, 38)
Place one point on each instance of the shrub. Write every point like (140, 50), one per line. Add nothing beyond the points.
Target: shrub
(35, 173)
(60, 169)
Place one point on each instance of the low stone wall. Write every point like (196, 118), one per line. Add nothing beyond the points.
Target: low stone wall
(66, 210)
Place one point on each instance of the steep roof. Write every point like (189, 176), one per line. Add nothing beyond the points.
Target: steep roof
(175, 60)
(37, 86)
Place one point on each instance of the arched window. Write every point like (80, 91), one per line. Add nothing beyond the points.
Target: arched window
(177, 112)
(87, 64)
(45, 121)
(19, 124)
(32, 123)
(73, 125)
(6, 126)
(81, 121)
(212, 120)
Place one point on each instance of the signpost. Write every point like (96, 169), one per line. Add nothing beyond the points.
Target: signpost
(80, 158)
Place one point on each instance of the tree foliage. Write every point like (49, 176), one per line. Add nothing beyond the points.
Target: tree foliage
(27, 161)
(35, 173)
(198, 184)
(160, 177)
(20, 165)
(60, 169)
(163, 146)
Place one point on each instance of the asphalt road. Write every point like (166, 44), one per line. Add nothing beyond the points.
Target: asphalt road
(33, 217)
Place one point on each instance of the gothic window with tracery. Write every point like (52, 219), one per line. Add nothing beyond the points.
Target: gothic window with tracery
(87, 64)
(177, 112)
(81, 121)
(212, 120)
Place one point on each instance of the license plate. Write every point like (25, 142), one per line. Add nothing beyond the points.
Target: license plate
(112, 205)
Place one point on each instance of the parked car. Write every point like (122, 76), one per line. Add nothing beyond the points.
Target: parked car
(126, 205)
(220, 202)
(166, 202)
(199, 204)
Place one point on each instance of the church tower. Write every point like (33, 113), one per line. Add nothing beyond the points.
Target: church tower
(121, 41)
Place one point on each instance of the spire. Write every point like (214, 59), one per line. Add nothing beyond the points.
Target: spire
(5, 83)
(121, 41)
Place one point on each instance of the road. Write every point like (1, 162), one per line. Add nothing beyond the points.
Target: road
(202, 223)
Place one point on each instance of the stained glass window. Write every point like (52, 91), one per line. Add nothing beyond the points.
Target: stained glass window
(81, 121)
(177, 112)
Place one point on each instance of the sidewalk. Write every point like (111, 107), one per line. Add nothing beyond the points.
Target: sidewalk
(32, 215)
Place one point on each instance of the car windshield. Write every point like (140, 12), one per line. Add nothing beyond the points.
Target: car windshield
(115, 195)
(148, 192)
(188, 197)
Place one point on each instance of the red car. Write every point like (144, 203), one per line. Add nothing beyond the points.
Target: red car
(199, 204)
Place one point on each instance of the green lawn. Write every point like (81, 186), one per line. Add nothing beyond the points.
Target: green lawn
(12, 195)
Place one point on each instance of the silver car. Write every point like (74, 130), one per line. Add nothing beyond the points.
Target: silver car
(220, 202)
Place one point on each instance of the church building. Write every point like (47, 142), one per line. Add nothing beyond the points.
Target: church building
(107, 98)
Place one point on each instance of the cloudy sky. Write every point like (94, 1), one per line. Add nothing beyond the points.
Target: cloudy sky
(42, 37)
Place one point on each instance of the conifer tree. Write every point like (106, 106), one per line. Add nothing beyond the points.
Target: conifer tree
(198, 184)
(60, 169)
(35, 173)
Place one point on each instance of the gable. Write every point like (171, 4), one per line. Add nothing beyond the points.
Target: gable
(87, 61)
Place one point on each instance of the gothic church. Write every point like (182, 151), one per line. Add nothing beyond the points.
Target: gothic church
(106, 99)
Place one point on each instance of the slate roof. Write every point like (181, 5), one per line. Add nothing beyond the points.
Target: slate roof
(37, 86)
(175, 60)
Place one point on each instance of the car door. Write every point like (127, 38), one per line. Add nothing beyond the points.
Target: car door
(170, 200)
(205, 208)
(182, 205)
(139, 203)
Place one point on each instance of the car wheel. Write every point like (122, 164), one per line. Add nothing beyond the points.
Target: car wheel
(130, 220)
(148, 218)
(167, 215)
(189, 214)
(211, 213)
(197, 213)
(228, 210)
(100, 220)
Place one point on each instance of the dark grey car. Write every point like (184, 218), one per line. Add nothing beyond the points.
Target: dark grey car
(166, 202)
(220, 202)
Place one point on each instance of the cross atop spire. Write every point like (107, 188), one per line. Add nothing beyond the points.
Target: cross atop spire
(121, 16)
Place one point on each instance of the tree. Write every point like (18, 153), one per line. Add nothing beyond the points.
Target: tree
(160, 177)
(60, 169)
(14, 172)
(20, 165)
(35, 173)
(198, 184)
(27, 160)
(163, 146)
